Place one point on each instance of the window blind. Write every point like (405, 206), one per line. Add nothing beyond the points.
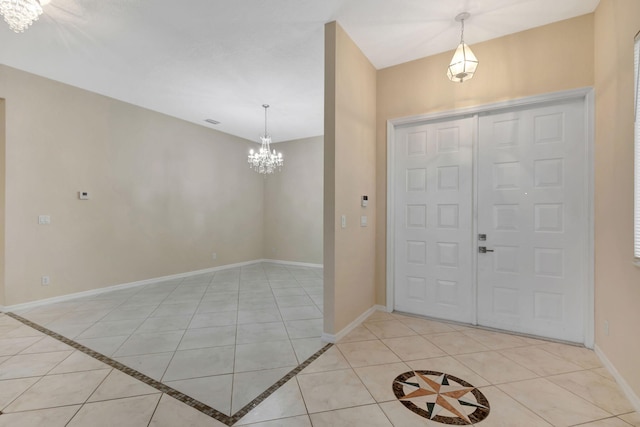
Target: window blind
(636, 234)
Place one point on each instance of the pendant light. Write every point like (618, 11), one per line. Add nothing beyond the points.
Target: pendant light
(464, 63)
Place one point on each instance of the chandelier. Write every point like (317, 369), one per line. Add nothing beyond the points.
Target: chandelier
(464, 63)
(19, 14)
(265, 161)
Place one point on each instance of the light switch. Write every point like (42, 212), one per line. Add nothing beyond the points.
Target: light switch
(363, 221)
(44, 219)
(343, 220)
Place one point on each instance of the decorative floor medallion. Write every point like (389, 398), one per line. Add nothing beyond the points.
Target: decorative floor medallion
(441, 397)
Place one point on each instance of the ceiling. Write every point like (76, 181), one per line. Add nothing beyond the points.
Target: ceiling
(223, 59)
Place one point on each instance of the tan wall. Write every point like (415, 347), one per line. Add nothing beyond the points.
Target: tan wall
(551, 58)
(2, 198)
(165, 193)
(293, 203)
(617, 280)
(350, 102)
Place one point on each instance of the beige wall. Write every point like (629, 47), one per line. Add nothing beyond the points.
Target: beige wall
(546, 59)
(2, 204)
(293, 203)
(165, 193)
(617, 280)
(350, 102)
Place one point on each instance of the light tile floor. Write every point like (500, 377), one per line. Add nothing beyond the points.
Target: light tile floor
(527, 382)
(222, 338)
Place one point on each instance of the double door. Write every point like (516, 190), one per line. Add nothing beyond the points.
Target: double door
(491, 220)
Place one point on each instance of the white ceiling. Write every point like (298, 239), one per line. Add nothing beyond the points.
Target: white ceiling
(223, 59)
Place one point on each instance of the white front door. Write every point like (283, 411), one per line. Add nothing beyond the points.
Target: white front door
(532, 207)
(526, 188)
(433, 189)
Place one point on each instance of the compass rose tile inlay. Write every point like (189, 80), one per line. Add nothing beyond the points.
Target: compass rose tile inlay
(441, 397)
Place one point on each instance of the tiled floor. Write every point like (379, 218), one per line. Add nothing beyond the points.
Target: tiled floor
(222, 338)
(526, 382)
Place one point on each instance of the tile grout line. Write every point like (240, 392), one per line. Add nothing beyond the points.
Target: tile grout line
(291, 375)
(284, 322)
(205, 409)
(235, 342)
(153, 414)
(122, 304)
(28, 388)
(39, 378)
(187, 326)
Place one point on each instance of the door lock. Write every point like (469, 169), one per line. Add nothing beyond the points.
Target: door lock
(482, 237)
(484, 250)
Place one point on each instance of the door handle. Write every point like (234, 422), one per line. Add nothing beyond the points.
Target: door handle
(484, 250)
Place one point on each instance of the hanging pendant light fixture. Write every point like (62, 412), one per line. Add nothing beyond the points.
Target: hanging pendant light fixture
(265, 161)
(464, 63)
(20, 14)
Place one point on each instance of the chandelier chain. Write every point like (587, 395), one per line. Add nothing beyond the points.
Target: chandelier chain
(266, 107)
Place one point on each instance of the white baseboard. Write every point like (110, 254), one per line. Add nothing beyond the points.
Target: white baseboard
(33, 304)
(333, 338)
(626, 389)
(62, 298)
(293, 263)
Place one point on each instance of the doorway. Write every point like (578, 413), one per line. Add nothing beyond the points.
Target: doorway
(490, 217)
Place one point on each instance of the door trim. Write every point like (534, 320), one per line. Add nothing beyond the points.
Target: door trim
(586, 94)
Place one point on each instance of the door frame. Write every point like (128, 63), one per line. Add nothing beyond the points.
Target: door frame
(585, 94)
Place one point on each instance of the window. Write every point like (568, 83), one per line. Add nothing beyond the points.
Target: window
(636, 235)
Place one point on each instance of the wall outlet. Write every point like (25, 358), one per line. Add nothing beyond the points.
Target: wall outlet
(44, 219)
(606, 327)
(214, 256)
(45, 281)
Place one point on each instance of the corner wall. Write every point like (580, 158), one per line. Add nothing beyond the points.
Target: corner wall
(2, 199)
(350, 172)
(617, 279)
(164, 193)
(293, 203)
(546, 59)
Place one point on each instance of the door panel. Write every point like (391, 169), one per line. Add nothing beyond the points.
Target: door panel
(532, 206)
(531, 202)
(433, 186)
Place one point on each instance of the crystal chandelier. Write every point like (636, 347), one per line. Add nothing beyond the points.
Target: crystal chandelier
(265, 161)
(19, 14)
(464, 63)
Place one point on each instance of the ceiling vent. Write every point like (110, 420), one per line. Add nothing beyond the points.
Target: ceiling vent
(213, 122)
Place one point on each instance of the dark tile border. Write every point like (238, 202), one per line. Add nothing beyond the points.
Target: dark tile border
(205, 409)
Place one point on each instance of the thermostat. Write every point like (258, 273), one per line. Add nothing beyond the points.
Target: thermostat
(83, 195)
(365, 201)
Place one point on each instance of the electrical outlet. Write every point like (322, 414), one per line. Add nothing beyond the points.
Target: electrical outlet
(214, 256)
(45, 281)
